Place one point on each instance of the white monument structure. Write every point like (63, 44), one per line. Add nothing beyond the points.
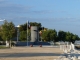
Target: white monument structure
(70, 53)
(7, 44)
(34, 34)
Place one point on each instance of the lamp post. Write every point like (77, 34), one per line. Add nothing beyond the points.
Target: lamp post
(18, 33)
(27, 32)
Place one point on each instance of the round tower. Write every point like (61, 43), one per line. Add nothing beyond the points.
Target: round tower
(34, 34)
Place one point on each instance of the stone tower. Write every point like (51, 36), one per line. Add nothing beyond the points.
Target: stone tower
(34, 34)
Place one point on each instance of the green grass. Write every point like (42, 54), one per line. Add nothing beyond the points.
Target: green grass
(3, 47)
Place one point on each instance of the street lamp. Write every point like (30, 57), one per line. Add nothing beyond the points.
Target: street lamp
(18, 32)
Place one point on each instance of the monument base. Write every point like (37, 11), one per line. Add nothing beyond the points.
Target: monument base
(31, 43)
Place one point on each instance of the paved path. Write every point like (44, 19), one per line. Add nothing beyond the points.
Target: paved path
(31, 53)
(28, 54)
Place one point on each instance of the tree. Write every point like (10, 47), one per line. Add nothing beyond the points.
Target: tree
(49, 35)
(23, 30)
(35, 24)
(52, 34)
(71, 37)
(23, 36)
(61, 35)
(23, 27)
(8, 31)
(11, 30)
(45, 35)
(68, 36)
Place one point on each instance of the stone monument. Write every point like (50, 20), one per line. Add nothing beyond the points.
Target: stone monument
(34, 34)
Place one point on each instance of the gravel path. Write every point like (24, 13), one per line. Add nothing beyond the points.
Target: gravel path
(30, 53)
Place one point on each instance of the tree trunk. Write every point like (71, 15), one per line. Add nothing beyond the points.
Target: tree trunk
(10, 43)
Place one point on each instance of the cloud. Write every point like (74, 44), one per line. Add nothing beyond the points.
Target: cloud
(7, 8)
(10, 10)
(56, 20)
(21, 13)
(60, 11)
(13, 9)
(67, 19)
(2, 0)
(41, 12)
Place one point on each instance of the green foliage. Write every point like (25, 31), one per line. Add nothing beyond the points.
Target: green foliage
(8, 30)
(23, 36)
(35, 24)
(45, 35)
(24, 26)
(53, 34)
(67, 36)
(49, 35)
(61, 35)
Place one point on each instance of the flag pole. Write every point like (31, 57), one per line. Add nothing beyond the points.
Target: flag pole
(27, 32)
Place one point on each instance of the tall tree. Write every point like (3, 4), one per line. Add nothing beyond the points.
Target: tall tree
(23, 27)
(23, 36)
(45, 36)
(61, 35)
(49, 35)
(52, 34)
(8, 30)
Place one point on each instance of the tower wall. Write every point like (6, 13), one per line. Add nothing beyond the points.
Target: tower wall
(34, 34)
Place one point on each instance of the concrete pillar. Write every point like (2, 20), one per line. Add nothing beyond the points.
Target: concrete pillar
(34, 34)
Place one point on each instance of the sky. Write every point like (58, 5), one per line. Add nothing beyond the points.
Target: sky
(53, 14)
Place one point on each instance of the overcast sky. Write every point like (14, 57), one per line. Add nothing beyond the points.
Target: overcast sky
(54, 14)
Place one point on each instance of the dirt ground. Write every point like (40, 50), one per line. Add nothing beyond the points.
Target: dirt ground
(31, 50)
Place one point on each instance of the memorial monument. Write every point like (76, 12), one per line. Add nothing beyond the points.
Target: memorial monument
(34, 34)
(70, 53)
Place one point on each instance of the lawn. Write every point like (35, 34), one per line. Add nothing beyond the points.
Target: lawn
(3, 47)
